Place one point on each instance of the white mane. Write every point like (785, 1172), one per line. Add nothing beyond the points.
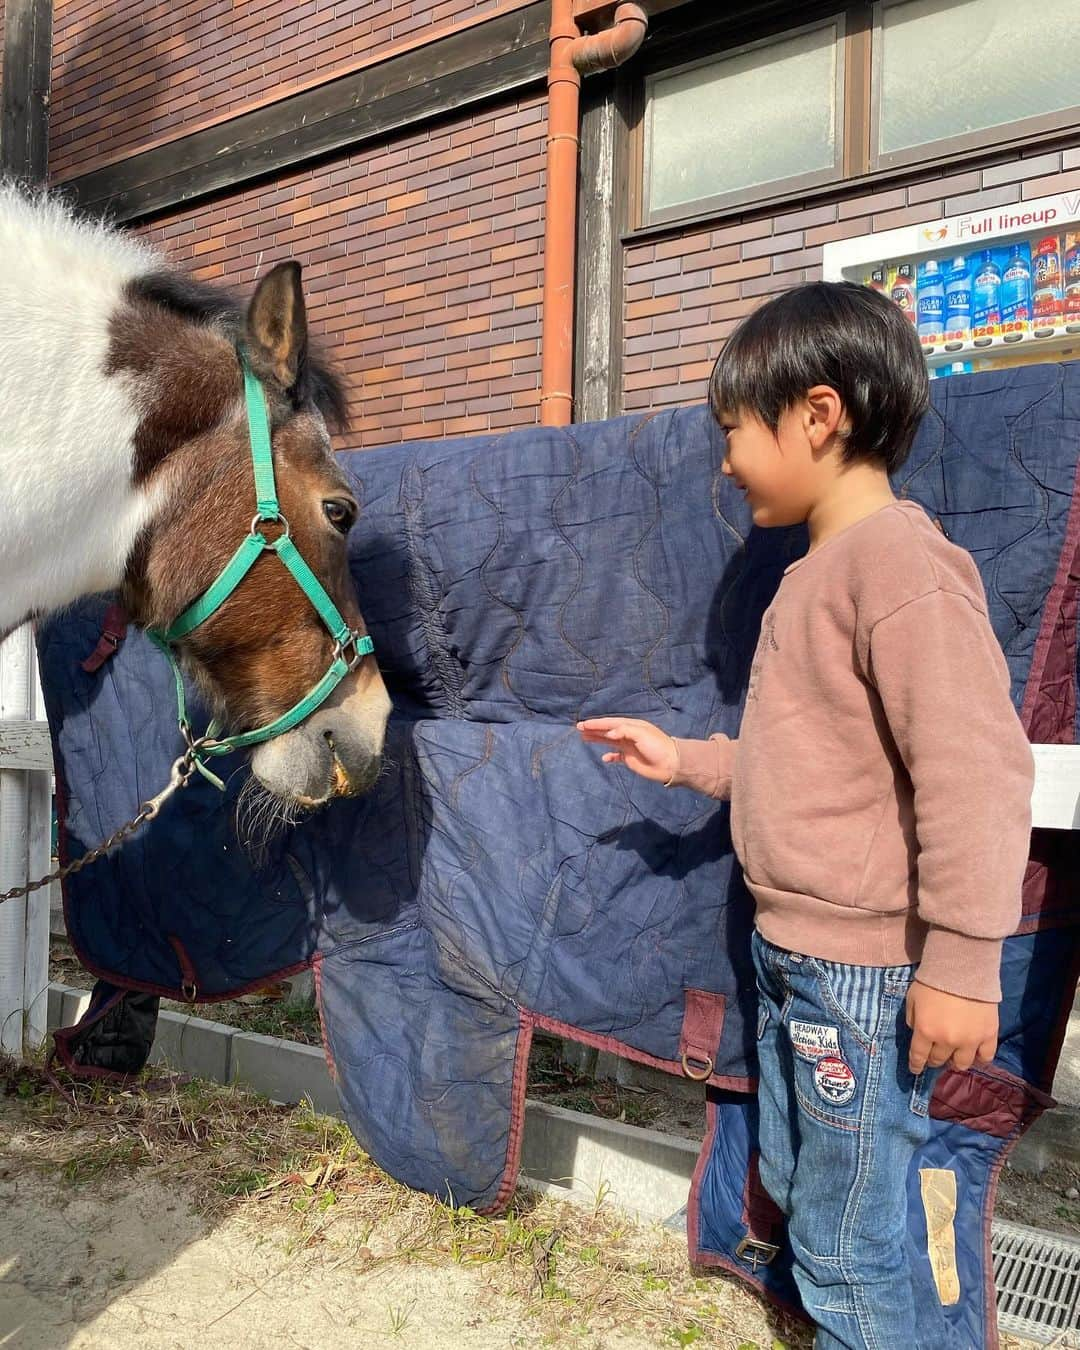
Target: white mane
(68, 514)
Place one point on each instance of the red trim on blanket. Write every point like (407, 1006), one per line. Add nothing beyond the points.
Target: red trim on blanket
(316, 967)
(609, 1043)
(1047, 718)
(518, 1084)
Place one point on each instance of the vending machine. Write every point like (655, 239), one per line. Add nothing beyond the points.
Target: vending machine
(984, 290)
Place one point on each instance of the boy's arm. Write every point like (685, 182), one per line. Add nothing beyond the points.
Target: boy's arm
(705, 766)
(944, 687)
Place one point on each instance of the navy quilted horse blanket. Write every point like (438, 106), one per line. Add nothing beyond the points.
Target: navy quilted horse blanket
(498, 879)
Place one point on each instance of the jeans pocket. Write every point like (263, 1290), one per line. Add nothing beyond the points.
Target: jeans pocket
(854, 1004)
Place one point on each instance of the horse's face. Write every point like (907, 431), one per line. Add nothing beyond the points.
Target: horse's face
(266, 647)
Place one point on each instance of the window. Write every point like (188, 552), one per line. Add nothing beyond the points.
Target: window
(871, 87)
(952, 69)
(721, 130)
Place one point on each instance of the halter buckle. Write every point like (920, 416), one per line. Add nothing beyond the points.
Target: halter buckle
(360, 645)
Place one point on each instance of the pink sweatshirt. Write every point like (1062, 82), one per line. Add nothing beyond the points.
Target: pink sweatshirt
(881, 782)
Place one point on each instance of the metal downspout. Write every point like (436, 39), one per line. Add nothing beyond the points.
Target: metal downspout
(571, 54)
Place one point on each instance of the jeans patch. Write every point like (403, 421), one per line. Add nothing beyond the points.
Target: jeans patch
(834, 1080)
(814, 1040)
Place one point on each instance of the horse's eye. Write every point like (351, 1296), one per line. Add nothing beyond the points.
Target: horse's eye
(340, 513)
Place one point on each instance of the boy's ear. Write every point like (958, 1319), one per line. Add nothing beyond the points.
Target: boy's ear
(824, 415)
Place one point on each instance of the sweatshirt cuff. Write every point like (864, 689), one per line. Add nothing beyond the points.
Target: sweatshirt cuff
(955, 963)
(705, 766)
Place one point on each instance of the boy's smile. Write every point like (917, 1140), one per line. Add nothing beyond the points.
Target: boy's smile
(774, 470)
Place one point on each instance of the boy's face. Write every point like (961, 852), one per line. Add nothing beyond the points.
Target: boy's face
(778, 471)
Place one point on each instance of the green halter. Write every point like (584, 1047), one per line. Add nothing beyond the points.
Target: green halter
(350, 647)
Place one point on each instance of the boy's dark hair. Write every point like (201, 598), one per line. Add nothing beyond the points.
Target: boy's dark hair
(849, 337)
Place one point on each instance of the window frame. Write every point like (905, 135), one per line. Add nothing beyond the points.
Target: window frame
(998, 137)
(863, 170)
(740, 197)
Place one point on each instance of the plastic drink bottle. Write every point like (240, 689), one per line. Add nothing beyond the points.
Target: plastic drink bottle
(1072, 278)
(1047, 299)
(986, 296)
(958, 301)
(930, 306)
(903, 290)
(1016, 294)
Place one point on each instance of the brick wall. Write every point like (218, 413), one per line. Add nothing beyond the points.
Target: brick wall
(685, 292)
(422, 269)
(128, 73)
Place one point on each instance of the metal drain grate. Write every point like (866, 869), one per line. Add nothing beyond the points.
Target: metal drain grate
(1038, 1281)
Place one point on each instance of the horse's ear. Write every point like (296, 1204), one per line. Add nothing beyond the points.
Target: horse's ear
(276, 327)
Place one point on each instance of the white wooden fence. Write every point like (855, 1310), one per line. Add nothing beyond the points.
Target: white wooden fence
(25, 846)
(26, 832)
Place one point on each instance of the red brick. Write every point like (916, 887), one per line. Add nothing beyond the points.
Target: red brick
(1045, 187)
(772, 244)
(984, 200)
(843, 229)
(1014, 170)
(938, 187)
(643, 309)
(874, 201)
(908, 215)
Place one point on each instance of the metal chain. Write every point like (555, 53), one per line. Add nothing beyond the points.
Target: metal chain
(179, 777)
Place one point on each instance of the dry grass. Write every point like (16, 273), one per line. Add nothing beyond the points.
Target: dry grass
(576, 1270)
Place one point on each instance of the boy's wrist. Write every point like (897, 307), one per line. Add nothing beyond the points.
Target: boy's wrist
(672, 778)
(957, 963)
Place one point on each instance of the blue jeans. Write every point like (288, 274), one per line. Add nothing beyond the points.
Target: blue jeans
(841, 1119)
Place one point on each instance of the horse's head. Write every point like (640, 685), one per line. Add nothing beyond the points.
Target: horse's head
(265, 648)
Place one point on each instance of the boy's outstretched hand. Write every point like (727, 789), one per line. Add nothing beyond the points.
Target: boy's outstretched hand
(645, 749)
(948, 1029)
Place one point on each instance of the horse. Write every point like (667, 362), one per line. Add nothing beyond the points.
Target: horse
(125, 465)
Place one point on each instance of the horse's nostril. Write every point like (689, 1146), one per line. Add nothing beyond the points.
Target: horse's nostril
(328, 737)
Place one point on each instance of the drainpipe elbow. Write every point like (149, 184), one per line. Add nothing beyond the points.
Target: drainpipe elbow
(606, 50)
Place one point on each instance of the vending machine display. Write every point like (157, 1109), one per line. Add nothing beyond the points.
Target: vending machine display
(983, 290)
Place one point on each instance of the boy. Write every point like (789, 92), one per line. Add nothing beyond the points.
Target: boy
(880, 796)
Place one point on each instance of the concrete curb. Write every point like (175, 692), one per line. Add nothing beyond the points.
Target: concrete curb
(568, 1153)
(580, 1157)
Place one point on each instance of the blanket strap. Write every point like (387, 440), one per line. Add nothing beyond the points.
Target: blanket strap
(113, 632)
(703, 1022)
(763, 1220)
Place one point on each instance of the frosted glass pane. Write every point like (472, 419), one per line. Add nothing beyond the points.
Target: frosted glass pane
(744, 121)
(954, 66)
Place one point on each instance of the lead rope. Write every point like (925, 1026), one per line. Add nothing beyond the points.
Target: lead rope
(179, 777)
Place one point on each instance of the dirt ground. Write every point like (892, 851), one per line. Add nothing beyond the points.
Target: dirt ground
(145, 1262)
(200, 1216)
